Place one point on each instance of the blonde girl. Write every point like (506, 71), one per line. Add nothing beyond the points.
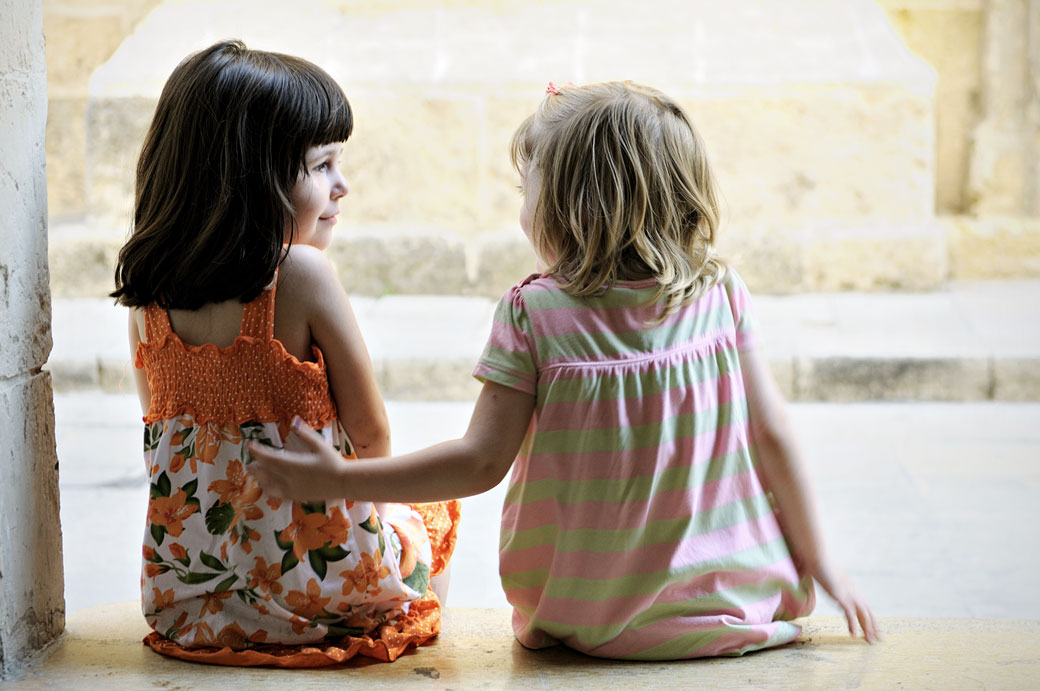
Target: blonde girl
(238, 325)
(657, 507)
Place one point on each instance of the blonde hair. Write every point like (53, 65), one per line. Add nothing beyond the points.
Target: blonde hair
(626, 191)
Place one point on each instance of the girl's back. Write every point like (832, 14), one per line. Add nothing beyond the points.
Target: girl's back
(635, 525)
(224, 564)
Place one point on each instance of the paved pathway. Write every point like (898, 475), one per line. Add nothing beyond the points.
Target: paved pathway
(933, 507)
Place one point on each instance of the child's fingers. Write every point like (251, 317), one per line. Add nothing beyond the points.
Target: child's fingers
(306, 434)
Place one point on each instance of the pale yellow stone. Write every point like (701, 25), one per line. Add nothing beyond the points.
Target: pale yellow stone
(66, 157)
(994, 247)
(476, 649)
(947, 34)
(83, 264)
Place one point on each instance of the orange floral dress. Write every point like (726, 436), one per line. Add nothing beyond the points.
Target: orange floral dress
(232, 576)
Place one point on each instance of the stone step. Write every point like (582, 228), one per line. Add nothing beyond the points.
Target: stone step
(974, 340)
(476, 649)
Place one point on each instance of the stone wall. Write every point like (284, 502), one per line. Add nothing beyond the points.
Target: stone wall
(836, 147)
(32, 609)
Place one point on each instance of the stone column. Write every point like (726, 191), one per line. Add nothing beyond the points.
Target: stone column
(32, 606)
(1003, 173)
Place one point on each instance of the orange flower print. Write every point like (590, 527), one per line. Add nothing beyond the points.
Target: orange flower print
(162, 599)
(265, 576)
(176, 463)
(148, 553)
(337, 530)
(179, 625)
(178, 551)
(209, 438)
(170, 512)
(309, 604)
(223, 551)
(248, 539)
(259, 636)
(211, 602)
(241, 491)
(298, 624)
(365, 575)
(152, 570)
(232, 636)
(203, 634)
(274, 503)
(305, 531)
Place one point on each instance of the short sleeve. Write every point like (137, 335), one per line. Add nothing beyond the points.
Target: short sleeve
(509, 357)
(740, 305)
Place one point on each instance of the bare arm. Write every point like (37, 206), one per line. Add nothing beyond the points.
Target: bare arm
(144, 394)
(460, 468)
(309, 283)
(783, 473)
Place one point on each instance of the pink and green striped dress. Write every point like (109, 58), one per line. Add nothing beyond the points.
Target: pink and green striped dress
(635, 525)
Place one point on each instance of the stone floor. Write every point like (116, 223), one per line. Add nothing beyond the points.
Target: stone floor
(934, 508)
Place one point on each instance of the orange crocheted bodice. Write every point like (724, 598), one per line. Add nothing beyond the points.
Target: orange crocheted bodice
(253, 379)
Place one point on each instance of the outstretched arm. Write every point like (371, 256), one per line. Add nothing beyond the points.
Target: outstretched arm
(783, 474)
(460, 468)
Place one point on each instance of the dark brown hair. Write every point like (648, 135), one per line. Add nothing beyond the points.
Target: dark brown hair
(224, 150)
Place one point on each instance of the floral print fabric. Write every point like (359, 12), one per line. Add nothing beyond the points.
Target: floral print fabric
(224, 565)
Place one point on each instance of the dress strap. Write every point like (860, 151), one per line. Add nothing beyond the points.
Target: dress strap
(156, 323)
(258, 315)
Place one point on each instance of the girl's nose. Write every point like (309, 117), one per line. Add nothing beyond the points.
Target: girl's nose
(340, 186)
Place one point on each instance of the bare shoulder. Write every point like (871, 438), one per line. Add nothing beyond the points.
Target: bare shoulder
(305, 275)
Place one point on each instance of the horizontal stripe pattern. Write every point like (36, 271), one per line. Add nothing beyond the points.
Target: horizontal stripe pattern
(635, 524)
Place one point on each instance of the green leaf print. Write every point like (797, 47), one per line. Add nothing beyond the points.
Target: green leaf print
(211, 561)
(161, 487)
(289, 562)
(419, 578)
(158, 533)
(329, 553)
(191, 487)
(317, 563)
(336, 631)
(313, 506)
(195, 577)
(370, 526)
(219, 517)
(152, 436)
(186, 559)
(226, 583)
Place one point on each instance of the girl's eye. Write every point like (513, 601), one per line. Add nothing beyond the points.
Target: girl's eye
(321, 167)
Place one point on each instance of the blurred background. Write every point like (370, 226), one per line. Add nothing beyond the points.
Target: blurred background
(879, 166)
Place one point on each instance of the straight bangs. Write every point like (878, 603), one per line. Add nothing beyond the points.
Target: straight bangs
(626, 191)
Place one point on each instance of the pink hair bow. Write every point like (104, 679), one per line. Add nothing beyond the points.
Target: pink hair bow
(554, 90)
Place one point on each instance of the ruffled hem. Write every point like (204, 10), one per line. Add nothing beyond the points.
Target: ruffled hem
(416, 628)
(230, 351)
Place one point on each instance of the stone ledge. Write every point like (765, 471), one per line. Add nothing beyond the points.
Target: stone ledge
(102, 646)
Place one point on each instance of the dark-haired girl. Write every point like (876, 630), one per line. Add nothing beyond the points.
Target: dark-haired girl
(238, 324)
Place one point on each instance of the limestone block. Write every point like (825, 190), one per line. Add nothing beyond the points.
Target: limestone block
(115, 133)
(501, 260)
(77, 42)
(770, 258)
(66, 157)
(392, 260)
(1016, 379)
(32, 605)
(82, 262)
(907, 257)
(948, 35)
(414, 160)
(993, 247)
(892, 379)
